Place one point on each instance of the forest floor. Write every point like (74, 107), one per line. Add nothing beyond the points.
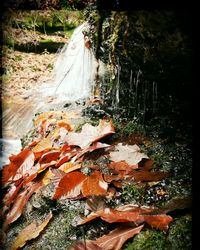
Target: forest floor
(24, 71)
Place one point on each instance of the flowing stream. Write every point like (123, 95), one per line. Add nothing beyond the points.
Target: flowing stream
(75, 73)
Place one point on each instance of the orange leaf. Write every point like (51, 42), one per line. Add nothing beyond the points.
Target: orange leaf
(65, 124)
(20, 202)
(112, 241)
(131, 213)
(70, 185)
(30, 232)
(50, 156)
(19, 166)
(94, 185)
(158, 221)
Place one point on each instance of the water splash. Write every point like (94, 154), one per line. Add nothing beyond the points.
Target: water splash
(75, 70)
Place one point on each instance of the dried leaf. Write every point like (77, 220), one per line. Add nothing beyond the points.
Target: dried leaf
(30, 232)
(94, 146)
(44, 144)
(90, 134)
(70, 185)
(112, 241)
(20, 202)
(129, 153)
(69, 167)
(148, 176)
(94, 185)
(65, 124)
(19, 166)
(131, 213)
(49, 156)
(122, 167)
(158, 221)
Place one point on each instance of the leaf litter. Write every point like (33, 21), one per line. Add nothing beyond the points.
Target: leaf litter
(41, 164)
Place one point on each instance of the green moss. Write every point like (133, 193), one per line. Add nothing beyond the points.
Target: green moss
(148, 240)
(131, 193)
(180, 234)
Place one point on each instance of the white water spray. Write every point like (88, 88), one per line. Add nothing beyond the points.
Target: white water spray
(75, 70)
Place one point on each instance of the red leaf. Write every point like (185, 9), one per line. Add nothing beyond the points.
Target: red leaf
(112, 241)
(21, 201)
(67, 156)
(19, 166)
(50, 156)
(131, 213)
(90, 134)
(70, 185)
(158, 221)
(94, 185)
(11, 194)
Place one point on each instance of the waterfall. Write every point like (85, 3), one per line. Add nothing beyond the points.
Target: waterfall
(75, 70)
(75, 74)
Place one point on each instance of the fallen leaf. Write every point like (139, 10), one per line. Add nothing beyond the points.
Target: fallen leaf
(158, 221)
(131, 213)
(20, 202)
(49, 156)
(90, 134)
(122, 167)
(112, 241)
(70, 185)
(129, 153)
(65, 124)
(94, 185)
(19, 166)
(69, 167)
(146, 164)
(145, 176)
(94, 146)
(30, 232)
(44, 144)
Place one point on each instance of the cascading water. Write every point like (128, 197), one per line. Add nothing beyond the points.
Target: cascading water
(75, 70)
(75, 74)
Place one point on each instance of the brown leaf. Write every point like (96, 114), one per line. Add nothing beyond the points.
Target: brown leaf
(30, 232)
(12, 193)
(131, 213)
(94, 185)
(146, 164)
(20, 202)
(112, 241)
(19, 166)
(70, 185)
(122, 167)
(158, 221)
(148, 176)
(49, 156)
(90, 134)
